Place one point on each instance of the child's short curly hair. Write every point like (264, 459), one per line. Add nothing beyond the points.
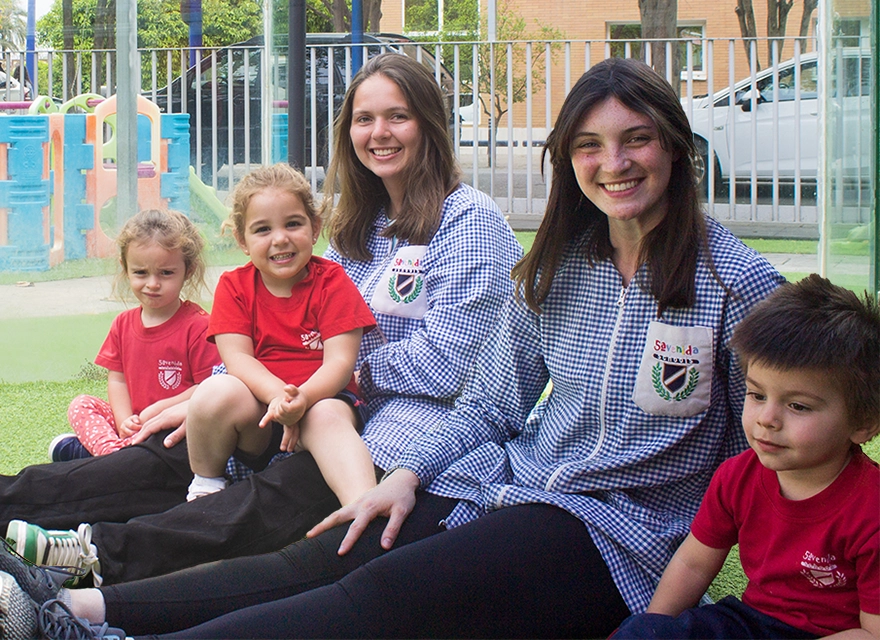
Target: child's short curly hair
(814, 324)
(279, 176)
(171, 230)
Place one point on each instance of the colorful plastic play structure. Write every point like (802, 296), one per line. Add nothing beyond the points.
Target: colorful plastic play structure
(58, 173)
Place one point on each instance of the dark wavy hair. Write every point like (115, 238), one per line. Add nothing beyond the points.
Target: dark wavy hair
(814, 324)
(432, 176)
(672, 247)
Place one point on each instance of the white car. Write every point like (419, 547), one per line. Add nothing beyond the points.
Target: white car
(760, 128)
(11, 89)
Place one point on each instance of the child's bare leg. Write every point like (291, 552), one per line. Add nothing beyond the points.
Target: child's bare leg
(223, 415)
(327, 431)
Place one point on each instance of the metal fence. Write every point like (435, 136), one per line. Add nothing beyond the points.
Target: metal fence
(755, 112)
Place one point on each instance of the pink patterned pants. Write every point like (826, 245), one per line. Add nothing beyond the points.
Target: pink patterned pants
(93, 422)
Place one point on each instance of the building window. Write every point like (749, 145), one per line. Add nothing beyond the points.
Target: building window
(626, 42)
(847, 32)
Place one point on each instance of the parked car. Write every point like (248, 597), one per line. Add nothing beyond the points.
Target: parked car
(219, 124)
(11, 90)
(782, 106)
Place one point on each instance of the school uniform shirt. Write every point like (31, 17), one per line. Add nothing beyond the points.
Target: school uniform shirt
(162, 361)
(288, 333)
(642, 409)
(434, 304)
(814, 563)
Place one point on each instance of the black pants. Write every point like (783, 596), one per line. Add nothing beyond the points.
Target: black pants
(135, 499)
(528, 571)
(728, 618)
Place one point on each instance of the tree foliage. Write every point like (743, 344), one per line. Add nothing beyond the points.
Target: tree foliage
(325, 16)
(159, 23)
(13, 25)
(516, 62)
(511, 62)
(160, 26)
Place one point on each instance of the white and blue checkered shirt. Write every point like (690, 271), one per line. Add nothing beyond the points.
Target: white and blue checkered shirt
(635, 478)
(411, 370)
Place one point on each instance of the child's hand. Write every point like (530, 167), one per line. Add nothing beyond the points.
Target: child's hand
(130, 426)
(288, 408)
(290, 438)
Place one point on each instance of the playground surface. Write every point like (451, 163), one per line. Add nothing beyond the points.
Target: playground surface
(94, 295)
(80, 296)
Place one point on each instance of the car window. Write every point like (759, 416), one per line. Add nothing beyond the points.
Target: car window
(786, 86)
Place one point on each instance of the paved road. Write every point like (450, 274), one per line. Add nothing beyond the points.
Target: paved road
(93, 295)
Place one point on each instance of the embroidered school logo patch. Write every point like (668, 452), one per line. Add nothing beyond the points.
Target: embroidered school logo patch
(674, 382)
(402, 288)
(822, 571)
(675, 373)
(312, 341)
(405, 283)
(170, 373)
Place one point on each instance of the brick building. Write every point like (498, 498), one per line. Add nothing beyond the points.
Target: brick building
(595, 29)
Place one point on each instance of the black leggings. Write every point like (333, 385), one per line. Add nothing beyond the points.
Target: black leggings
(526, 571)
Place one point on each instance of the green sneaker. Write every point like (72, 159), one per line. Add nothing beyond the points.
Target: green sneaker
(68, 549)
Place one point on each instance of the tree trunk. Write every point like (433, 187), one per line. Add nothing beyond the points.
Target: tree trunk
(67, 35)
(105, 43)
(746, 14)
(659, 21)
(809, 7)
(777, 18)
(372, 15)
(341, 16)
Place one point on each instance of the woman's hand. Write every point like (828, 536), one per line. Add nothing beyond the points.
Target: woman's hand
(393, 498)
(174, 417)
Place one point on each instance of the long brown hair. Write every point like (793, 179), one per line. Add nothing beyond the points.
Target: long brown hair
(671, 248)
(432, 176)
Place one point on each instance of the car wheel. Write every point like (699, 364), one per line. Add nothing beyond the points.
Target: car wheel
(710, 171)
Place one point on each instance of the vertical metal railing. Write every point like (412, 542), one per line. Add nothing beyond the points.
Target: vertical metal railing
(759, 161)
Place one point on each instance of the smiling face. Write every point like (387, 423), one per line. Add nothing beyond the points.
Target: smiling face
(156, 276)
(278, 237)
(621, 167)
(384, 133)
(797, 421)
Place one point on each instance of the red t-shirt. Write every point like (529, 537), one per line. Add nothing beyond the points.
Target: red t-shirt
(163, 361)
(814, 563)
(288, 333)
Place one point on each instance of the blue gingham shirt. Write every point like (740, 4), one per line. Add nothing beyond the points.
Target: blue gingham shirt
(411, 370)
(633, 478)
